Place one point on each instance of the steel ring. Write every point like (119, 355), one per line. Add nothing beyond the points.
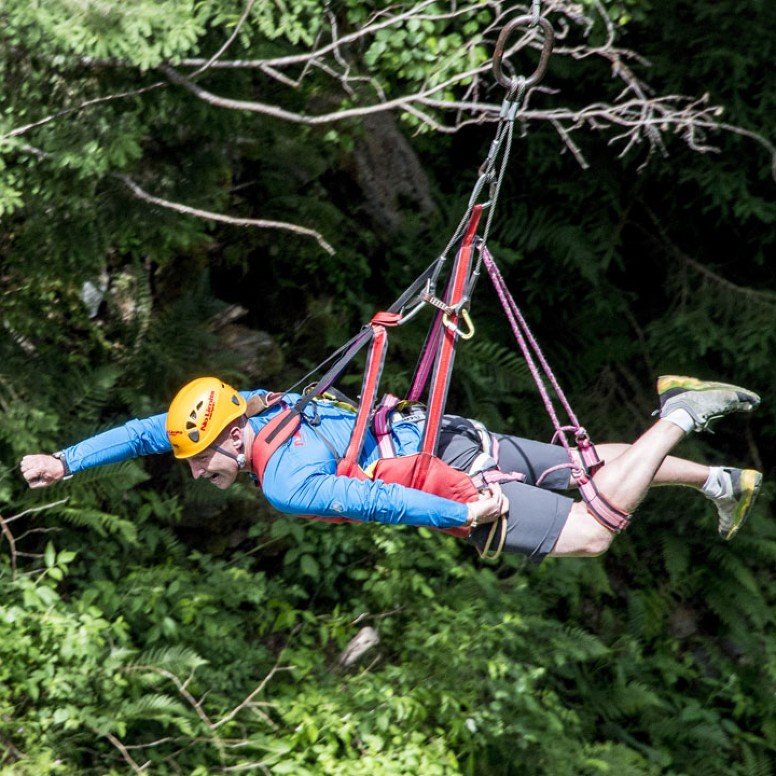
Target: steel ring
(549, 38)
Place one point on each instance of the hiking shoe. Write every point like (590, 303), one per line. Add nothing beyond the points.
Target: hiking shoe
(702, 400)
(741, 489)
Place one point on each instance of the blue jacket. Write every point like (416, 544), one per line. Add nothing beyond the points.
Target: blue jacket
(301, 477)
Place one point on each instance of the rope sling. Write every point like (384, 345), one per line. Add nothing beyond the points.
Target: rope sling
(451, 322)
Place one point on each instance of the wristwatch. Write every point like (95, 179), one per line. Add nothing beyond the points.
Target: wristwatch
(60, 456)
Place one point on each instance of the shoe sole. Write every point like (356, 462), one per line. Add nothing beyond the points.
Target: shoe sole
(670, 385)
(750, 484)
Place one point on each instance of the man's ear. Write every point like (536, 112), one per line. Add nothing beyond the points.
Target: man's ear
(236, 435)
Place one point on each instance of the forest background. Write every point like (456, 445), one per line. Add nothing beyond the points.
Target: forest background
(151, 624)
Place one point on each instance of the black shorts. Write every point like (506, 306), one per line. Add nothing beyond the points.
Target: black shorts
(536, 514)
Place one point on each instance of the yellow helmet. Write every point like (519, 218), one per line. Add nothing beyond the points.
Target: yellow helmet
(200, 411)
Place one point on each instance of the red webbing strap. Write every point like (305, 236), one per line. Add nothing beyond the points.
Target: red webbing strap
(444, 363)
(274, 434)
(374, 369)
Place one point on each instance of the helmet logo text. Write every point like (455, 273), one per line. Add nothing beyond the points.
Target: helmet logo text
(211, 403)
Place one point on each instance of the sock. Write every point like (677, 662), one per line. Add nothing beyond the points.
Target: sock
(715, 485)
(681, 418)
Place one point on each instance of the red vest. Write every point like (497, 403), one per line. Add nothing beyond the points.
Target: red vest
(421, 471)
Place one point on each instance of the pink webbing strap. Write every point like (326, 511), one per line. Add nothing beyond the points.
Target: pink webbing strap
(607, 514)
(588, 453)
(426, 361)
(533, 354)
(382, 427)
(524, 336)
(491, 476)
(610, 516)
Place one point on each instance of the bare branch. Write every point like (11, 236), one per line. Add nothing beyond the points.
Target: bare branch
(196, 705)
(285, 115)
(220, 217)
(231, 39)
(249, 698)
(125, 754)
(570, 144)
(429, 121)
(635, 114)
(180, 686)
(152, 744)
(376, 24)
(11, 543)
(37, 531)
(11, 752)
(753, 293)
(198, 213)
(367, 29)
(246, 767)
(379, 616)
(82, 106)
(758, 139)
(33, 510)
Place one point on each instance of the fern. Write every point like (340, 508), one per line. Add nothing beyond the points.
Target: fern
(93, 390)
(647, 612)
(567, 640)
(737, 607)
(736, 570)
(178, 659)
(676, 556)
(164, 538)
(636, 697)
(102, 523)
(757, 763)
(763, 549)
(107, 483)
(157, 706)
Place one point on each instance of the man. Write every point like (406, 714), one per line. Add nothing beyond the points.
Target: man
(215, 429)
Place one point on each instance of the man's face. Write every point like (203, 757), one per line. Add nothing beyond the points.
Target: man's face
(217, 468)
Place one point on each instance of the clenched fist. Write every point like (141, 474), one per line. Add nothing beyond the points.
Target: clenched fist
(488, 508)
(40, 471)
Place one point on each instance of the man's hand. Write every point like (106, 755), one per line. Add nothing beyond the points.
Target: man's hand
(488, 508)
(40, 471)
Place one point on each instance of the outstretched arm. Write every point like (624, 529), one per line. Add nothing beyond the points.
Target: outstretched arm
(146, 436)
(131, 440)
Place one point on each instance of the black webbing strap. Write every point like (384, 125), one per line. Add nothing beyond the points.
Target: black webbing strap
(351, 350)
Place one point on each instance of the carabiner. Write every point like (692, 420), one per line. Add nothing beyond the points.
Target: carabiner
(411, 314)
(466, 335)
(498, 54)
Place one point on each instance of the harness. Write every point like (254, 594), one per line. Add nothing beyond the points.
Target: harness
(451, 322)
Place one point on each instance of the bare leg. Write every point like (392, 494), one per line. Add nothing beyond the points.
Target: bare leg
(673, 470)
(686, 404)
(624, 481)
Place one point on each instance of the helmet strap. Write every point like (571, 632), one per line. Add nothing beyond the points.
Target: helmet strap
(239, 458)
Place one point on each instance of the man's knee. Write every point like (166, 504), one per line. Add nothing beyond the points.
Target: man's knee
(598, 542)
(582, 536)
